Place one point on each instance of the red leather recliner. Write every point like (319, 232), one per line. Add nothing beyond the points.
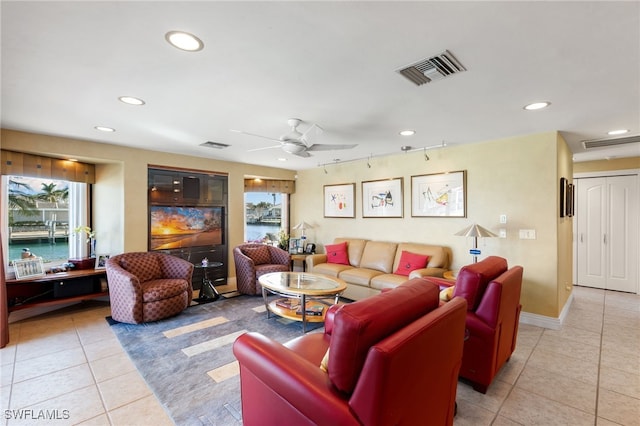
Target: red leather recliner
(493, 302)
(394, 359)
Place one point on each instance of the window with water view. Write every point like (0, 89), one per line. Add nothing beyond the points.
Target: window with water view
(38, 218)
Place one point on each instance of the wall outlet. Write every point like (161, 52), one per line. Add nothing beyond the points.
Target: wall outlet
(502, 233)
(503, 218)
(527, 234)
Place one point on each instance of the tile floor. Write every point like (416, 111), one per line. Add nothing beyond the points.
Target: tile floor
(69, 365)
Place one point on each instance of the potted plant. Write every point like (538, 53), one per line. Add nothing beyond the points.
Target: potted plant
(283, 240)
(86, 263)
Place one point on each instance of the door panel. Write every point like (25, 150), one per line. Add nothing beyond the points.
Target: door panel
(590, 216)
(622, 247)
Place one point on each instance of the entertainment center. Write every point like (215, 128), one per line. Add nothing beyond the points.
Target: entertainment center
(188, 218)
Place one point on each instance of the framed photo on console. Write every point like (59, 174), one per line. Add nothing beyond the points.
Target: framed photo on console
(29, 267)
(439, 195)
(101, 261)
(382, 198)
(339, 200)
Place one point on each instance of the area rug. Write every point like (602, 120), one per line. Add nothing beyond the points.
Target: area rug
(188, 362)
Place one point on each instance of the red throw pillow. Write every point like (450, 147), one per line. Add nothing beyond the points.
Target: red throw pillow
(410, 262)
(337, 253)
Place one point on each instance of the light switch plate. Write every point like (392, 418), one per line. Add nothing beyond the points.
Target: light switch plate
(503, 218)
(502, 233)
(527, 234)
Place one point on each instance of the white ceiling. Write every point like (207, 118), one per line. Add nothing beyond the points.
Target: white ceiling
(64, 65)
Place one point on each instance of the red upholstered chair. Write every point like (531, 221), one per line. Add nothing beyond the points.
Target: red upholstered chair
(393, 359)
(493, 302)
(253, 260)
(148, 286)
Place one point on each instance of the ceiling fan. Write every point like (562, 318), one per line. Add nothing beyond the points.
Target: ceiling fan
(297, 143)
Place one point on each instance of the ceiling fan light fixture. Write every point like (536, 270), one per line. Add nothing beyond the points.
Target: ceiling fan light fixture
(293, 148)
(184, 41)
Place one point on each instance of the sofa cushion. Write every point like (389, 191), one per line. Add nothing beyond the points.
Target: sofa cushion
(355, 247)
(410, 262)
(144, 266)
(361, 324)
(472, 280)
(438, 255)
(359, 276)
(260, 254)
(337, 253)
(378, 255)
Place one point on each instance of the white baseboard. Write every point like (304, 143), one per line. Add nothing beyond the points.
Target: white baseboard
(547, 322)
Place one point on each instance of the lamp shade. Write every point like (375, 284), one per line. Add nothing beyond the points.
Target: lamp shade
(303, 225)
(475, 231)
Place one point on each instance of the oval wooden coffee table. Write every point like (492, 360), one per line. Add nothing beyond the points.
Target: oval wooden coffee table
(302, 286)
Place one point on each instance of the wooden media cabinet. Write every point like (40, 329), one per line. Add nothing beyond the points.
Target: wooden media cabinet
(55, 288)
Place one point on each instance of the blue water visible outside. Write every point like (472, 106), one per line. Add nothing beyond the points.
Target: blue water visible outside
(257, 232)
(48, 252)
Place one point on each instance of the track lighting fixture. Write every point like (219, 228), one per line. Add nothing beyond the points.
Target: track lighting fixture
(369, 161)
(325, 170)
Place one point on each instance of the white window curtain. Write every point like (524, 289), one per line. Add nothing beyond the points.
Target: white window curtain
(78, 216)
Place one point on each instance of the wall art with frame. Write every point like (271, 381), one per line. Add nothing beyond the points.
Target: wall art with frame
(339, 200)
(28, 268)
(439, 195)
(382, 198)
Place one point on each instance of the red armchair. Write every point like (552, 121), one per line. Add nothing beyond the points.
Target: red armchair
(493, 302)
(394, 359)
(148, 286)
(254, 260)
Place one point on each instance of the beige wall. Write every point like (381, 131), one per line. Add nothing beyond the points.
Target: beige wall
(120, 201)
(607, 165)
(515, 176)
(565, 228)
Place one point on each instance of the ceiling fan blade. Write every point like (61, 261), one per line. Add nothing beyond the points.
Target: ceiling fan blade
(261, 149)
(328, 147)
(253, 134)
(311, 135)
(303, 154)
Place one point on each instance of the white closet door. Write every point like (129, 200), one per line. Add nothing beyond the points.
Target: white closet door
(621, 243)
(607, 233)
(590, 214)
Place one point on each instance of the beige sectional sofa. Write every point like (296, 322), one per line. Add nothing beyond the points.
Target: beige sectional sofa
(372, 264)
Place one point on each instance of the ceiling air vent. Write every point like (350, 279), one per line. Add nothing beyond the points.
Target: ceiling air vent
(216, 145)
(601, 143)
(432, 69)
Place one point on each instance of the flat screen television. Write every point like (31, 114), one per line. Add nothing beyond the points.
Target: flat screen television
(178, 227)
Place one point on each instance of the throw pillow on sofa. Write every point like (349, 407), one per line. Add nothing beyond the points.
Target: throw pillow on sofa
(410, 262)
(337, 253)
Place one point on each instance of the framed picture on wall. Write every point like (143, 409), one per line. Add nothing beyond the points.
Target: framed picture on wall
(339, 200)
(382, 198)
(439, 195)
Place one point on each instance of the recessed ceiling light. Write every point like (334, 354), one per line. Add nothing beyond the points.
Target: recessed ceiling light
(282, 159)
(131, 100)
(105, 129)
(184, 41)
(618, 132)
(537, 105)
(408, 132)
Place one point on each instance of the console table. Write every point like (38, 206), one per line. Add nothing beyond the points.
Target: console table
(55, 288)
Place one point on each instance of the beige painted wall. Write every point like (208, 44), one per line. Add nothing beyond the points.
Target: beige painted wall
(515, 176)
(120, 201)
(565, 228)
(607, 165)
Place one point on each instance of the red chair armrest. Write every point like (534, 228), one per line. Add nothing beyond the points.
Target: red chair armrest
(303, 385)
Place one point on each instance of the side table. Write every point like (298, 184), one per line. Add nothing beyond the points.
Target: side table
(300, 258)
(208, 292)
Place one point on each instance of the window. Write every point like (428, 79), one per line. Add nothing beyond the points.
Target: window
(41, 215)
(265, 215)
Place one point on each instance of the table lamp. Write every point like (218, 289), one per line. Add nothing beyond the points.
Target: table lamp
(475, 231)
(302, 226)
